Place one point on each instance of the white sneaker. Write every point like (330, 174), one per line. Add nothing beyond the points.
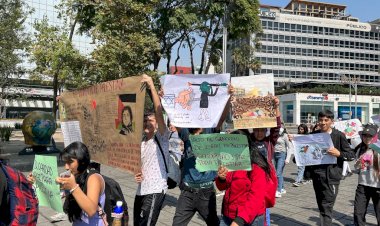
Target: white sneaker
(278, 194)
(283, 191)
(59, 217)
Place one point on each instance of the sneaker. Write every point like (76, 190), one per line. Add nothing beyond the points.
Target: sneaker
(59, 217)
(278, 194)
(307, 182)
(220, 193)
(296, 184)
(283, 191)
(349, 174)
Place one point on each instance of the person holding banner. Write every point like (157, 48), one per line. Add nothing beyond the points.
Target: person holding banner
(242, 206)
(266, 144)
(326, 178)
(197, 188)
(152, 180)
(86, 192)
(369, 177)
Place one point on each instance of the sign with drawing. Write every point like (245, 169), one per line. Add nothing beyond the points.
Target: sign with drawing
(195, 101)
(110, 115)
(350, 128)
(312, 149)
(252, 102)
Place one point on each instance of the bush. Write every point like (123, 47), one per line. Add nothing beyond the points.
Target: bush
(5, 133)
(18, 125)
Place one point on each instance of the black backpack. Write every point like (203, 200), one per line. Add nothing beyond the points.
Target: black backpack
(113, 194)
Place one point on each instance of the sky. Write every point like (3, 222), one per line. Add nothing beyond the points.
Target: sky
(365, 10)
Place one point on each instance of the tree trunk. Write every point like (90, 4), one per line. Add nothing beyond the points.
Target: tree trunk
(191, 54)
(55, 91)
(205, 47)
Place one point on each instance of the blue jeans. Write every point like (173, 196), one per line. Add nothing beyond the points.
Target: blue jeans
(259, 221)
(279, 163)
(300, 172)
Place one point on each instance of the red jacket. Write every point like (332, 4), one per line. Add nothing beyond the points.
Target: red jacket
(244, 197)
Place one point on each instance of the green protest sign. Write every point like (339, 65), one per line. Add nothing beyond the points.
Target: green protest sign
(212, 150)
(45, 171)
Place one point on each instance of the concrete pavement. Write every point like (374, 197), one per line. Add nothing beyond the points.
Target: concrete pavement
(296, 207)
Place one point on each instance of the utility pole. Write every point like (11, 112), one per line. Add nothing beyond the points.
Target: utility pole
(225, 33)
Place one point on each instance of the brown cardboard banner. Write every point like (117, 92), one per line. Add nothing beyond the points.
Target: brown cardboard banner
(111, 120)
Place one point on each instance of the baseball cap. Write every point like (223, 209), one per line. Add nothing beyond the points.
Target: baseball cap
(369, 130)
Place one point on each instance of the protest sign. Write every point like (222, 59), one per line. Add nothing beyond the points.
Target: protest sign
(71, 132)
(195, 101)
(350, 128)
(45, 172)
(376, 119)
(312, 149)
(111, 117)
(213, 150)
(252, 102)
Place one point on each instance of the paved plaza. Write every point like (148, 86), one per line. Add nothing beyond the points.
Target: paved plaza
(296, 207)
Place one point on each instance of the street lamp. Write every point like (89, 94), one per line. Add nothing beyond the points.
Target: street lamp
(353, 82)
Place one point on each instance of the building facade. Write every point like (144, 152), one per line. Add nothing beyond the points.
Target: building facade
(317, 42)
(299, 108)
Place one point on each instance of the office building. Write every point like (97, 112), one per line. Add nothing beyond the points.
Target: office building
(318, 42)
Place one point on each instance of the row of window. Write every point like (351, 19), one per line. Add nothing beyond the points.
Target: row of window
(318, 64)
(272, 25)
(318, 53)
(315, 75)
(319, 42)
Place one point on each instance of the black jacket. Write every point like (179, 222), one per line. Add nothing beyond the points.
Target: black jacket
(333, 172)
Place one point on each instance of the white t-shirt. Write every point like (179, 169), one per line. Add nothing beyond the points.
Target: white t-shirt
(153, 166)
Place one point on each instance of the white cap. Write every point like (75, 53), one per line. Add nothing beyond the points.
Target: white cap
(119, 203)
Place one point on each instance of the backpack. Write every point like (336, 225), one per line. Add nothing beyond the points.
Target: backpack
(113, 194)
(22, 198)
(172, 167)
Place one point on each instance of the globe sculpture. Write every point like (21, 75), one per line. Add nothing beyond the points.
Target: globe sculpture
(38, 128)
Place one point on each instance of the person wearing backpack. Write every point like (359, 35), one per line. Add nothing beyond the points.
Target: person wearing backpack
(18, 201)
(153, 178)
(247, 193)
(85, 203)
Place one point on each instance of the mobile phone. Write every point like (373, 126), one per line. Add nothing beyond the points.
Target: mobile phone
(67, 173)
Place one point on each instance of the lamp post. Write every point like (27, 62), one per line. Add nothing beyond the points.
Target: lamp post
(353, 82)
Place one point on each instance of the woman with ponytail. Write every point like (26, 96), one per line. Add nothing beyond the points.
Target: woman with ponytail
(369, 177)
(86, 200)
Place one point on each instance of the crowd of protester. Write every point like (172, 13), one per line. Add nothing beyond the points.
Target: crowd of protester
(248, 194)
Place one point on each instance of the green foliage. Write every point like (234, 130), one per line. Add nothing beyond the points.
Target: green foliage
(18, 125)
(5, 133)
(55, 55)
(336, 89)
(14, 42)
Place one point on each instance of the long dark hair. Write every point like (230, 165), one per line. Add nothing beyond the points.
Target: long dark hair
(304, 127)
(76, 150)
(129, 109)
(256, 157)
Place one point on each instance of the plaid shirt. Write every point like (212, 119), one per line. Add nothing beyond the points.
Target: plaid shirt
(22, 199)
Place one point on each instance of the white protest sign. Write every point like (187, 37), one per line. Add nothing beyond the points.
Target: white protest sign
(71, 132)
(350, 128)
(195, 101)
(312, 149)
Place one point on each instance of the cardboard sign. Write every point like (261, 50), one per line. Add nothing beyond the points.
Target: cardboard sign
(111, 120)
(252, 102)
(213, 150)
(45, 172)
(195, 101)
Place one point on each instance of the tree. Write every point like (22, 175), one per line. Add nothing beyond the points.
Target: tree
(122, 35)
(14, 42)
(56, 58)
